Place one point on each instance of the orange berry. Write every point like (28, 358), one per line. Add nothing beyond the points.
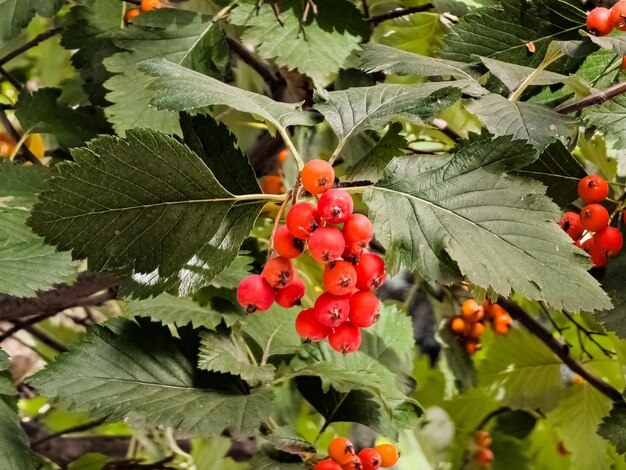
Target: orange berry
(130, 14)
(317, 176)
(282, 156)
(482, 439)
(389, 455)
(457, 325)
(476, 330)
(624, 63)
(472, 345)
(483, 457)
(341, 450)
(273, 184)
(496, 311)
(147, 5)
(472, 311)
(577, 379)
(502, 324)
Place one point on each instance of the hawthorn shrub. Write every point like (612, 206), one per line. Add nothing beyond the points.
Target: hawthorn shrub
(298, 234)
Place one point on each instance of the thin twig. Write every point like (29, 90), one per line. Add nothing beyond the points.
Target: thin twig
(11, 79)
(45, 339)
(20, 325)
(375, 20)
(591, 100)
(561, 350)
(30, 44)
(273, 82)
(15, 135)
(366, 9)
(590, 334)
(72, 430)
(270, 251)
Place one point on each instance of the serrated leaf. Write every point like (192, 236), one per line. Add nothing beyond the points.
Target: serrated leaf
(182, 37)
(179, 89)
(285, 439)
(72, 127)
(356, 110)
(392, 61)
(17, 14)
(210, 454)
(610, 118)
(7, 389)
(559, 171)
(522, 372)
(500, 232)
(503, 32)
(274, 330)
(19, 184)
(576, 419)
(613, 283)
(420, 33)
(15, 449)
(317, 47)
(217, 147)
(534, 123)
(171, 310)
(227, 354)
(371, 166)
(615, 43)
(613, 427)
(122, 371)
(145, 202)
(26, 264)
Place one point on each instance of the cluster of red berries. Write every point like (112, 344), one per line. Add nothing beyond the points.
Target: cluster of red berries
(482, 455)
(342, 456)
(601, 21)
(146, 5)
(350, 272)
(593, 218)
(470, 325)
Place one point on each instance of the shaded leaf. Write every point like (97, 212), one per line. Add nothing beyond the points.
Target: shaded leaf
(613, 427)
(210, 454)
(17, 14)
(274, 331)
(614, 282)
(610, 118)
(499, 231)
(158, 382)
(19, 184)
(90, 461)
(15, 449)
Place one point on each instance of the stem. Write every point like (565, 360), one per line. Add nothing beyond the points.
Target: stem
(336, 153)
(366, 9)
(562, 351)
(375, 20)
(72, 430)
(12, 131)
(30, 44)
(592, 100)
(270, 250)
(292, 148)
(11, 79)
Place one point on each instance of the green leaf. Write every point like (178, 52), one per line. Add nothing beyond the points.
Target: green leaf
(610, 118)
(392, 61)
(17, 14)
(371, 166)
(7, 389)
(182, 37)
(19, 184)
(500, 232)
(285, 439)
(613, 282)
(502, 32)
(356, 110)
(144, 202)
(26, 264)
(210, 454)
(576, 419)
(122, 371)
(420, 33)
(72, 127)
(534, 123)
(15, 449)
(522, 372)
(177, 88)
(227, 354)
(90, 461)
(613, 427)
(274, 330)
(559, 171)
(317, 47)
(509, 453)
(615, 43)
(171, 310)
(217, 147)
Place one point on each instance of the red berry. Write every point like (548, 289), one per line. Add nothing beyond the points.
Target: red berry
(370, 458)
(594, 217)
(335, 206)
(326, 244)
(571, 224)
(279, 272)
(483, 457)
(332, 310)
(364, 309)
(341, 450)
(286, 244)
(290, 296)
(482, 439)
(358, 230)
(609, 241)
(598, 257)
(339, 278)
(317, 176)
(389, 454)
(370, 272)
(600, 21)
(624, 63)
(255, 294)
(327, 465)
(346, 338)
(303, 220)
(618, 15)
(354, 464)
(593, 189)
(309, 328)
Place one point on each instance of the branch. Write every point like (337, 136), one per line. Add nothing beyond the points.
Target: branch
(562, 351)
(20, 325)
(11, 79)
(45, 339)
(80, 294)
(375, 20)
(15, 135)
(275, 85)
(592, 100)
(30, 44)
(74, 429)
